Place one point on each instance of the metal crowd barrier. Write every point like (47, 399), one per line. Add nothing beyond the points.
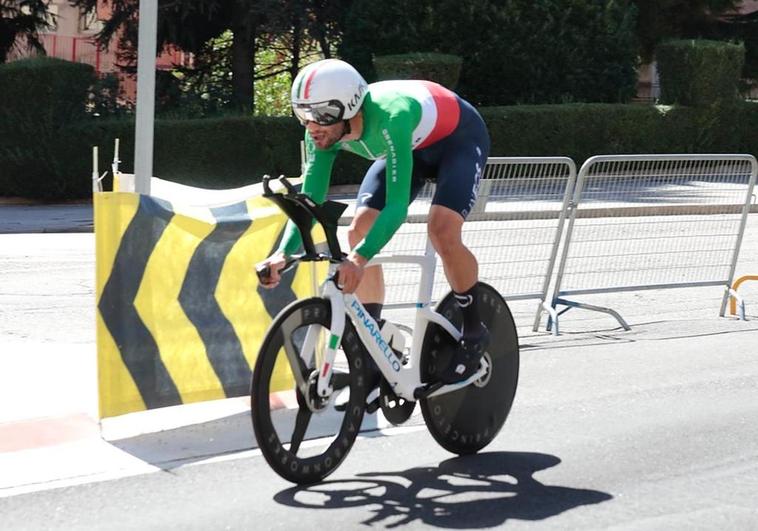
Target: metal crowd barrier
(517, 257)
(651, 222)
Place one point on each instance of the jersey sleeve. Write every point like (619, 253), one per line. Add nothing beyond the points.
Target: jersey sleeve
(398, 137)
(316, 177)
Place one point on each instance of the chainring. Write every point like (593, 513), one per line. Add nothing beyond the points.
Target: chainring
(394, 408)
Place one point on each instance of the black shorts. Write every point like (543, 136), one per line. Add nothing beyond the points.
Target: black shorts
(456, 163)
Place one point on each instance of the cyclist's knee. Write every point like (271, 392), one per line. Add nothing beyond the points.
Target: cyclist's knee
(445, 234)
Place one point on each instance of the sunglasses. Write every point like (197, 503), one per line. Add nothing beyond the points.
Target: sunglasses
(323, 113)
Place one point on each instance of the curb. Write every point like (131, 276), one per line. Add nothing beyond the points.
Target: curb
(44, 432)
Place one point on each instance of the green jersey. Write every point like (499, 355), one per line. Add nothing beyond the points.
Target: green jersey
(398, 117)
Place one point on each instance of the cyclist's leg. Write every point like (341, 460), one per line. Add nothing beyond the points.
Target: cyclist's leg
(461, 163)
(369, 202)
(371, 289)
(445, 229)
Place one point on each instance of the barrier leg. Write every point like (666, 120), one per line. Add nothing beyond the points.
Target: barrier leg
(736, 300)
(602, 309)
(552, 318)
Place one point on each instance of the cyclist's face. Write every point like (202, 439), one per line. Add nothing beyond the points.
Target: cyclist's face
(325, 136)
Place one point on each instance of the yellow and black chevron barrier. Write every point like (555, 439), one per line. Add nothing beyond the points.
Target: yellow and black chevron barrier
(180, 314)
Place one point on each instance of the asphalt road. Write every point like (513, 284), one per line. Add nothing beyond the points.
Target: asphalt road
(651, 428)
(656, 427)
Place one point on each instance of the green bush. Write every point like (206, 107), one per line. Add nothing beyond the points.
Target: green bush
(748, 125)
(212, 152)
(580, 131)
(39, 98)
(444, 69)
(234, 151)
(575, 130)
(699, 72)
(519, 51)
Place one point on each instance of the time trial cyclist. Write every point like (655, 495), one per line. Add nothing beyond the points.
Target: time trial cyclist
(414, 131)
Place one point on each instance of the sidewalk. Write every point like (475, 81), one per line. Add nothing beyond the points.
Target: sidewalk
(24, 217)
(18, 218)
(50, 435)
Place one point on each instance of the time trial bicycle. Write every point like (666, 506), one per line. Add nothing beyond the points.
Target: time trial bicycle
(310, 384)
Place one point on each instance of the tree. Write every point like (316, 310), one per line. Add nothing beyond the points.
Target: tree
(665, 19)
(190, 24)
(197, 25)
(514, 51)
(743, 27)
(22, 19)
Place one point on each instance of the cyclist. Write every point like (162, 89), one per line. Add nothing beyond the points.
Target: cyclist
(414, 131)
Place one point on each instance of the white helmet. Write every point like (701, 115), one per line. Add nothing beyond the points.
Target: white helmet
(327, 92)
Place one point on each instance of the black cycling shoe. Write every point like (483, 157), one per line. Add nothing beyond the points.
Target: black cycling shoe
(466, 359)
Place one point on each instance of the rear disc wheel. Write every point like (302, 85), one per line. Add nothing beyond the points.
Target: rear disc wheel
(467, 420)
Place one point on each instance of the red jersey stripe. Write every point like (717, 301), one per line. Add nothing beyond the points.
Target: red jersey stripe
(448, 113)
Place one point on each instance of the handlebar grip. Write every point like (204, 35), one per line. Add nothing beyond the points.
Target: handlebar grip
(263, 272)
(266, 186)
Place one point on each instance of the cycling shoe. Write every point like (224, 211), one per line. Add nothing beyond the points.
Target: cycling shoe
(466, 359)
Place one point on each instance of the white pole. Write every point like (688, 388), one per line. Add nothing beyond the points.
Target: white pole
(143, 140)
(95, 171)
(116, 160)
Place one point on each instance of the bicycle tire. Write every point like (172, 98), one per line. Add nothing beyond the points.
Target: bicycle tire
(269, 419)
(465, 421)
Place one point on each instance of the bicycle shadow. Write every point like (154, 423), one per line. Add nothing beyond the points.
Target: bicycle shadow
(168, 449)
(477, 491)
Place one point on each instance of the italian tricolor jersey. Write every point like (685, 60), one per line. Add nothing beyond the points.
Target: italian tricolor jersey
(398, 117)
(430, 109)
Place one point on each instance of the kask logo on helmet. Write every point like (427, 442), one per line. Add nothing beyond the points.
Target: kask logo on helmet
(357, 98)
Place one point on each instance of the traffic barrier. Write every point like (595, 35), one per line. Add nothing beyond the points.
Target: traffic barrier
(517, 257)
(644, 222)
(180, 314)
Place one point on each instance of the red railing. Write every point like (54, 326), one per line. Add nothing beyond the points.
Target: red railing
(84, 50)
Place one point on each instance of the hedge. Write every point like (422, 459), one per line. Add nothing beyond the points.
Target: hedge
(230, 152)
(699, 72)
(514, 52)
(444, 69)
(580, 131)
(39, 97)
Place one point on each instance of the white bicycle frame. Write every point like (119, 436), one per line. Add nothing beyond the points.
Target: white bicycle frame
(404, 379)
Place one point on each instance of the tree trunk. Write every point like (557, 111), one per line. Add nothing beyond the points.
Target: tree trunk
(243, 58)
(318, 30)
(297, 34)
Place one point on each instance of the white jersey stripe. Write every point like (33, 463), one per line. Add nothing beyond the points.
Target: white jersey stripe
(419, 93)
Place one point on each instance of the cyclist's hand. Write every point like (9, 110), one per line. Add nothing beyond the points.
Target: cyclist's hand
(274, 263)
(351, 272)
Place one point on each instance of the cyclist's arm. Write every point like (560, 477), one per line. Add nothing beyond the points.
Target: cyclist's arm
(316, 179)
(397, 134)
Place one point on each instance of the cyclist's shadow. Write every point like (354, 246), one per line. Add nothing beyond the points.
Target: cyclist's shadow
(482, 490)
